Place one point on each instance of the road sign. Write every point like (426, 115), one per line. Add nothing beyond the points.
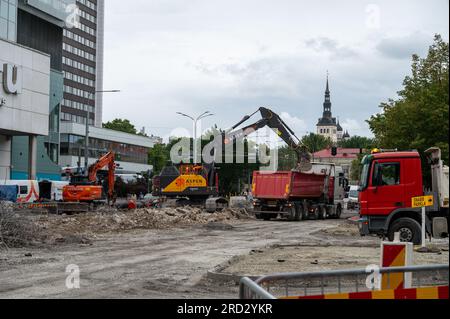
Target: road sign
(422, 201)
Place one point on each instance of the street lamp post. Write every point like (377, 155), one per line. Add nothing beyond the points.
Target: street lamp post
(195, 121)
(86, 142)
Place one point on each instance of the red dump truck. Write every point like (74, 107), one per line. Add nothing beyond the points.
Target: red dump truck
(392, 184)
(318, 193)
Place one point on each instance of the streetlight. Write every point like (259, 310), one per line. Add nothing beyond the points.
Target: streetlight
(86, 142)
(195, 121)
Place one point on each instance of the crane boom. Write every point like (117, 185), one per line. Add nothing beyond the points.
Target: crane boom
(276, 123)
(106, 160)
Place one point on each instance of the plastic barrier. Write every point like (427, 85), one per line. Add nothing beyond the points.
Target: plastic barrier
(8, 193)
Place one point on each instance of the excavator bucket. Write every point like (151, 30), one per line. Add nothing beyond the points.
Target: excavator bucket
(304, 160)
(216, 204)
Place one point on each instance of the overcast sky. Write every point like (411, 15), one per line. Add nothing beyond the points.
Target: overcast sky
(232, 56)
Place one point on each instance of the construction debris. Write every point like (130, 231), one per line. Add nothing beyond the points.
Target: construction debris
(16, 230)
(108, 221)
(21, 230)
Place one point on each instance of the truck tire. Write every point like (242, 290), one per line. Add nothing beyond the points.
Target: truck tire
(321, 214)
(299, 213)
(338, 212)
(409, 229)
(292, 213)
(305, 212)
(316, 215)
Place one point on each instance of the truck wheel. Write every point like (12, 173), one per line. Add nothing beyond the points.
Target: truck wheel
(292, 213)
(338, 212)
(316, 215)
(321, 214)
(409, 229)
(305, 212)
(299, 213)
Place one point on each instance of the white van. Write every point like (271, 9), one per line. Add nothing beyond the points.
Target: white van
(52, 190)
(28, 191)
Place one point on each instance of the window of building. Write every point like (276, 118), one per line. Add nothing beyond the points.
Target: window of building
(8, 19)
(73, 145)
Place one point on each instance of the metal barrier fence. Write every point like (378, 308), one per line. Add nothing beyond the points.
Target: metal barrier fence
(337, 281)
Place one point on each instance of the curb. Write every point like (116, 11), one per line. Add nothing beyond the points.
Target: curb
(217, 275)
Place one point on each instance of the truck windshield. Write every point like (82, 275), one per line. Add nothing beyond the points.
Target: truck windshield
(364, 180)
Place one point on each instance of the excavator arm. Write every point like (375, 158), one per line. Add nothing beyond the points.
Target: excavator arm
(276, 123)
(106, 160)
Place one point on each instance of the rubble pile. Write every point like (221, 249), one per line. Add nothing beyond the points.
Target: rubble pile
(17, 230)
(107, 221)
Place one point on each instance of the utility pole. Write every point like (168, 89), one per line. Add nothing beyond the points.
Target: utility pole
(195, 121)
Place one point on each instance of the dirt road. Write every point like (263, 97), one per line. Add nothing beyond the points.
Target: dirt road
(146, 264)
(155, 263)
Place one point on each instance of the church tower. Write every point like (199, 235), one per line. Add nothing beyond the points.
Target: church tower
(327, 126)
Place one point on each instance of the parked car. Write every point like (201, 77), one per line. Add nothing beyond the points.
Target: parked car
(353, 198)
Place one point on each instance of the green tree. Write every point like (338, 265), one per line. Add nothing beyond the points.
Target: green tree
(358, 142)
(121, 125)
(316, 143)
(418, 119)
(158, 157)
(287, 158)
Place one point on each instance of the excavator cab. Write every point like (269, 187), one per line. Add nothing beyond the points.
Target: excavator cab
(193, 181)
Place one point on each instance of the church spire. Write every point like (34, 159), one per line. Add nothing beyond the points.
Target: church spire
(327, 103)
(327, 91)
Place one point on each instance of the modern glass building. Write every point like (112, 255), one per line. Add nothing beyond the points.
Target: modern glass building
(83, 65)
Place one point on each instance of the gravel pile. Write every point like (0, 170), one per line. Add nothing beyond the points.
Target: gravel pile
(107, 221)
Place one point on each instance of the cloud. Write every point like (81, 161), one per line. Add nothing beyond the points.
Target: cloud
(296, 124)
(351, 125)
(331, 47)
(230, 59)
(404, 47)
(356, 127)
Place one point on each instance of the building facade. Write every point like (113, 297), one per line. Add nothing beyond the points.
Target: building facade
(328, 126)
(131, 151)
(344, 158)
(82, 62)
(40, 26)
(24, 92)
(51, 70)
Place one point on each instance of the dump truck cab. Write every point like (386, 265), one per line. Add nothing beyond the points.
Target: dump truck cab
(388, 184)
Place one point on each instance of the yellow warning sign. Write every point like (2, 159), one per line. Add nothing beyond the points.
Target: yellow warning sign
(422, 201)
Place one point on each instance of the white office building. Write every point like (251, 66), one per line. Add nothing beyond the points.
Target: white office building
(24, 100)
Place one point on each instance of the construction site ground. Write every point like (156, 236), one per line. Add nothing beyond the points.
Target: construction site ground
(178, 253)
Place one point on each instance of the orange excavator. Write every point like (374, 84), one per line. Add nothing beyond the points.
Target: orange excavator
(88, 188)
